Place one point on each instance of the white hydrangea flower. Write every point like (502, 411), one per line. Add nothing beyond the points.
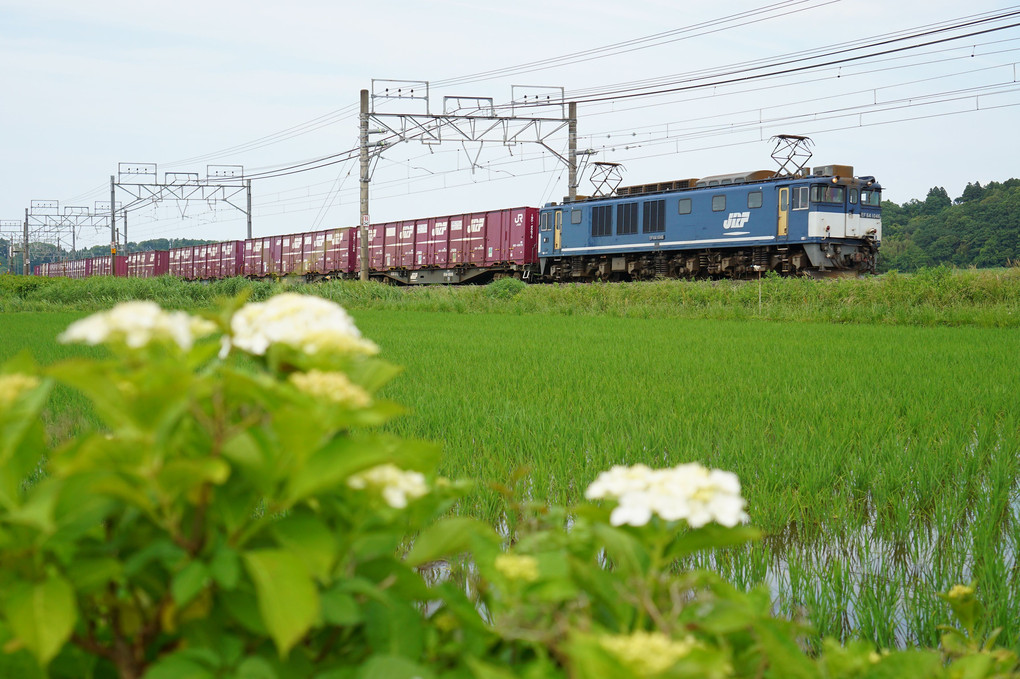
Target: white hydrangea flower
(618, 481)
(688, 492)
(13, 385)
(333, 386)
(647, 653)
(517, 567)
(303, 322)
(136, 324)
(396, 485)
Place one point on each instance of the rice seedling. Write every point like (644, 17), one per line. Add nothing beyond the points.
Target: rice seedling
(878, 455)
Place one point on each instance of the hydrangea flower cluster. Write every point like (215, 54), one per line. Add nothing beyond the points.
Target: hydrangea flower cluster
(646, 653)
(517, 567)
(13, 385)
(136, 324)
(396, 485)
(687, 492)
(303, 322)
(332, 386)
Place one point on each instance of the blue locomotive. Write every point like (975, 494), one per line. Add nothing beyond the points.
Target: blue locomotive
(740, 225)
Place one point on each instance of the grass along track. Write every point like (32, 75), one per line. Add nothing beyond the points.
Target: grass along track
(881, 462)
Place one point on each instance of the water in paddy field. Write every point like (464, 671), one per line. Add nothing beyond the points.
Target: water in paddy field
(863, 583)
(883, 587)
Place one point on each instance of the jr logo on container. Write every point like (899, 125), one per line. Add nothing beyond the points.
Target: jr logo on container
(736, 220)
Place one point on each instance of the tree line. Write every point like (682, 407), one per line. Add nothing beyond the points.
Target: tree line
(980, 228)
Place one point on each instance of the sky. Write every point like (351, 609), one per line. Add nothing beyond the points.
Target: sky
(88, 85)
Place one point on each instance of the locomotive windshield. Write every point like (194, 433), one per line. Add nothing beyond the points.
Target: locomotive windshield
(871, 198)
(827, 193)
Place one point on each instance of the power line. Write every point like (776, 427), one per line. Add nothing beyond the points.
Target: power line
(725, 78)
(634, 44)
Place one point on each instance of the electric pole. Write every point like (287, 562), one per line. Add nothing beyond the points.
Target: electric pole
(24, 250)
(249, 209)
(572, 156)
(113, 219)
(363, 233)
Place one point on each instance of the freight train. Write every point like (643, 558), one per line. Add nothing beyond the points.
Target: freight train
(822, 222)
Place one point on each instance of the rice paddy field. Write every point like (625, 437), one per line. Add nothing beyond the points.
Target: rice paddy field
(879, 459)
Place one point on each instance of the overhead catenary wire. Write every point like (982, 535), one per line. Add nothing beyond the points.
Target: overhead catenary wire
(320, 162)
(704, 134)
(328, 160)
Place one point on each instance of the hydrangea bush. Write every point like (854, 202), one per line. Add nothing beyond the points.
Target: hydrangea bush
(238, 515)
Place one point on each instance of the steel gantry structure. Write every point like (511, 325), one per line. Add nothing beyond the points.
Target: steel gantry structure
(224, 183)
(463, 120)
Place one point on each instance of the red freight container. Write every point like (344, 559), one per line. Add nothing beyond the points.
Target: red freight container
(317, 244)
(390, 247)
(405, 245)
(273, 255)
(524, 235)
(290, 254)
(202, 261)
(102, 266)
(458, 247)
(326, 252)
(263, 256)
(421, 239)
(340, 256)
(437, 243)
(228, 259)
(135, 263)
(148, 264)
(181, 263)
(376, 247)
(497, 237)
(474, 239)
(253, 264)
(481, 239)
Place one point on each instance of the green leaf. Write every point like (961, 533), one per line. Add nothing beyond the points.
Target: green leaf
(394, 627)
(243, 607)
(287, 598)
(340, 608)
(22, 442)
(310, 540)
(911, 664)
(225, 567)
(626, 552)
(90, 575)
(446, 538)
(976, 666)
(393, 667)
(38, 510)
(179, 476)
(177, 667)
(372, 374)
(42, 616)
(710, 536)
(163, 552)
(186, 584)
(783, 653)
(254, 667)
(331, 465)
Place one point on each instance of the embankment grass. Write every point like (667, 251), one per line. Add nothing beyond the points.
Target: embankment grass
(941, 296)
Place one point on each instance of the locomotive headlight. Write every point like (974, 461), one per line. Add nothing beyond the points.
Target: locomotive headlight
(835, 180)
